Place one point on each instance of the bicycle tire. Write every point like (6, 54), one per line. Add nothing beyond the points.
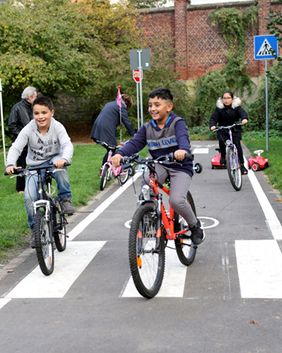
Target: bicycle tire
(59, 224)
(123, 176)
(146, 252)
(233, 168)
(104, 176)
(42, 232)
(185, 249)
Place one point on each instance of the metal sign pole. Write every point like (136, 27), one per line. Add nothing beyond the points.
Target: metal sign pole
(266, 105)
(137, 103)
(2, 123)
(140, 86)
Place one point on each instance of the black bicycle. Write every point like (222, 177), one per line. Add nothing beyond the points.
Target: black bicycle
(49, 219)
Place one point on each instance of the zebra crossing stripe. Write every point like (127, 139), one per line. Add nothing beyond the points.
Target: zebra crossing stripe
(68, 267)
(259, 265)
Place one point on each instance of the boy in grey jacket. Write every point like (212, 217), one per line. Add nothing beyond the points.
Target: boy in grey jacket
(48, 143)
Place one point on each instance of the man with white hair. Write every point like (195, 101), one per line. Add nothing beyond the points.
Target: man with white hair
(20, 115)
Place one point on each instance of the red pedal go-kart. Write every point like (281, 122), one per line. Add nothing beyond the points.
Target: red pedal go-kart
(257, 162)
(215, 161)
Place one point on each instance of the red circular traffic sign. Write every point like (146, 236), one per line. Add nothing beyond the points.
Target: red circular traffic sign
(137, 75)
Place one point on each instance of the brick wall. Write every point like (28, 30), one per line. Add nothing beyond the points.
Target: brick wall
(199, 48)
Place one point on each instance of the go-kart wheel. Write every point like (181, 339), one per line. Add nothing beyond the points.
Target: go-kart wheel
(198, 168)
(255, 167)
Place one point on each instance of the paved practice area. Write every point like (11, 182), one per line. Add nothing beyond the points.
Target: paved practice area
(228, 300)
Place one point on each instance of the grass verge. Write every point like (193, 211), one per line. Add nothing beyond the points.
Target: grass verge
(14, 232)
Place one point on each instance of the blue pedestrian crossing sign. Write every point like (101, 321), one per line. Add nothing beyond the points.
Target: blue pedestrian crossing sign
(265, 47)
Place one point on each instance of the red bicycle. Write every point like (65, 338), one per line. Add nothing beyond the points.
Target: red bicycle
(151, 228)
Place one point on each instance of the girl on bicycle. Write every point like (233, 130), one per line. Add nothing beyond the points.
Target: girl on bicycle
(167, 133)
(227, 112)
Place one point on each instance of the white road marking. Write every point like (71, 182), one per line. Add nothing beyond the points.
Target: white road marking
(68, 266)
(101, 208)
(173, 282)
(271, 219)
(214, 222)
(4, 301)
(203, 150)
(259, 265)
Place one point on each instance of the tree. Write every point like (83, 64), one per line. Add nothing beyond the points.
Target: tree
(59, 46)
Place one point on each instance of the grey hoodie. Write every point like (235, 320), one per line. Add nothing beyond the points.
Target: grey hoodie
(41, 148)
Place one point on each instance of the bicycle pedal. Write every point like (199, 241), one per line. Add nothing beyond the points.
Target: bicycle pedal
(184, 236)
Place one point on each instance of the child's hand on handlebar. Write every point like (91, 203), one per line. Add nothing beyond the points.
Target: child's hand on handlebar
(213, 128)
(10, 169)
(116, 160)
(180, 155)
(244, 121)
(60, 163)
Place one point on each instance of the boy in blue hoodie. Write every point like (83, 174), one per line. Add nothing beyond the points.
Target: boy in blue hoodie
(167, 133)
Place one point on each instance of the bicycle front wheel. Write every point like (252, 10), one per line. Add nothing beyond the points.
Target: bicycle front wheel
(146, 251)
(233, 168)
(185, 249)
(59, 227)
(42, 232)
(105, 176)
(123, 176)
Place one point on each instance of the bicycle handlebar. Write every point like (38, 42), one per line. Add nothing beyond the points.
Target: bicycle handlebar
(165, 159)
(24, 171)
(227, 127)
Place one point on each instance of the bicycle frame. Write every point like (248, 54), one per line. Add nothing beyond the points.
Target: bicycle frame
(233, 165)
(114, 171)
(167, 217)
(43, 194)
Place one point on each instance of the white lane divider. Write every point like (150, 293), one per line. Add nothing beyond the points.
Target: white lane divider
(68, 266)
(259, 264)
(101, 208)
(271, 219)
(174, 278)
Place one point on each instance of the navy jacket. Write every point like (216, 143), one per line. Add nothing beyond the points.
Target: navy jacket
(139, 141)
(105, 126)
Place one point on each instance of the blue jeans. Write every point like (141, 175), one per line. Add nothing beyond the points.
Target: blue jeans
(31, 188)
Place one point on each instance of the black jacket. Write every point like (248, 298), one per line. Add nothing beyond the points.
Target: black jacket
(20, 115)
(225, 116)
(105, 126)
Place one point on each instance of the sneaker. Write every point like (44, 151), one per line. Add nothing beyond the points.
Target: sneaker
(223, 161)
(68, 207)
(244, 171)
(198, 234)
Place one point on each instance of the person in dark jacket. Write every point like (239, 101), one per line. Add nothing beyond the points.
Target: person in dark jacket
(167, 133)
(227, 112)
(20, 115)
(104, 129)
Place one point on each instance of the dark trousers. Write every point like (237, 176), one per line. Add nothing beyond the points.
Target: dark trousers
(222, 137)
(21, 162)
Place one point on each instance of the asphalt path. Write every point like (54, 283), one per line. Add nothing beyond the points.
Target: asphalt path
(228, 300)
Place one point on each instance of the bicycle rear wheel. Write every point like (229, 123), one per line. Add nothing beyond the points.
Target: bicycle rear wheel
(185, 249)
(233, 168)
(42, 232)
(60, 233)
(146, 251)
(105, 176)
